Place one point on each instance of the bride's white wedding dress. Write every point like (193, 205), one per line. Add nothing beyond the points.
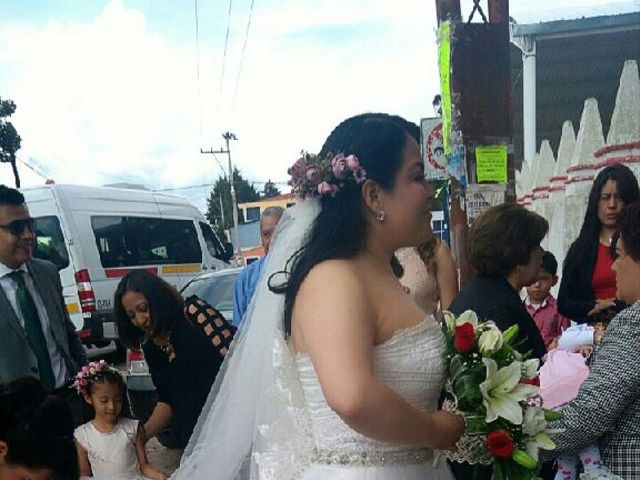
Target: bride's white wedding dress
(411, 364)
(266, 417)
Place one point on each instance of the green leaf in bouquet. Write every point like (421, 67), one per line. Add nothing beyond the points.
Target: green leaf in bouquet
(524, 459)
(475, 423)
(510, 334)
(505, 356)
(498, 472)
(457, 365)
(467, 391)
(552, 415)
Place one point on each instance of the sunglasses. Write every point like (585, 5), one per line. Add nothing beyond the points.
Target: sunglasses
(17, 226)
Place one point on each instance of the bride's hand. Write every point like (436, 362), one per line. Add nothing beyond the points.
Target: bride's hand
(447, 430)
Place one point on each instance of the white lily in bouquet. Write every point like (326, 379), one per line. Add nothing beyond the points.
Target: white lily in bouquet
(497, 391)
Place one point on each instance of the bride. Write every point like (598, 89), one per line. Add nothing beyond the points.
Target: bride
(336, 373)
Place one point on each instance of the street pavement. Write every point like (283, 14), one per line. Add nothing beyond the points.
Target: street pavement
(164, 459)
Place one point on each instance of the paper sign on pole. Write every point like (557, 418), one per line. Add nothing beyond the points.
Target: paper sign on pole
(444, 65)
(433, 155)
(481, 198)
(491, 164)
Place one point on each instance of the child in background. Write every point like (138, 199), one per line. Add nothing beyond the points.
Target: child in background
(36, 434)
(541, 304)
(110, 446)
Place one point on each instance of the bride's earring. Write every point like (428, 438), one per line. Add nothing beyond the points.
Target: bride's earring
(380, 216)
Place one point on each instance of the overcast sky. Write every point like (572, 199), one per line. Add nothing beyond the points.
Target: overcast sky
(120, 90)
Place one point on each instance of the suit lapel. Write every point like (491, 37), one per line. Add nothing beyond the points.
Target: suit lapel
(47, 295)
(10, 314)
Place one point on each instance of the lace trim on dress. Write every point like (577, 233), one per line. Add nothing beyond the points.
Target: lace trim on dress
(373, 458)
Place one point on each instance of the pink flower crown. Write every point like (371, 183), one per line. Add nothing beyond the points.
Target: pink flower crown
(314, 176)
(88, 373)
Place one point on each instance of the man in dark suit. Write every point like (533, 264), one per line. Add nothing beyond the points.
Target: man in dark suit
(37, 337)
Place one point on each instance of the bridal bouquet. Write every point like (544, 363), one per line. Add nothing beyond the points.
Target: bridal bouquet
(496, 390)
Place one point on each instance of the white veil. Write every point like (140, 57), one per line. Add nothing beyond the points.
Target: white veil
(254, 419)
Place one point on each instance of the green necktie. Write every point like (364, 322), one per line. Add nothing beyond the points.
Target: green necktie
(33, 328)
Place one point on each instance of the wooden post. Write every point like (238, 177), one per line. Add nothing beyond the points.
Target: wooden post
(481, 93)
(499, 11)
(448, 10)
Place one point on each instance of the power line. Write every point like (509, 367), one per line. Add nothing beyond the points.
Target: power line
(198, 67)
(226, 44)
(204, 185)
(32, 168)
(244, 47)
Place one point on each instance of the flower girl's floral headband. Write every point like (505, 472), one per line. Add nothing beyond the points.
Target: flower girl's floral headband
(89, 373)
(314, 176)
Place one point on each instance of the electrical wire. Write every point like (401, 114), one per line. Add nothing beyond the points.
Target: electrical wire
(198, 67)
(32, 168)
(209, 185)
(226, 45)
(244, 47)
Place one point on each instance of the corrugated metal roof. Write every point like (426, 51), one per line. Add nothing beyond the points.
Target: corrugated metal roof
(570, 70)
(537, 15)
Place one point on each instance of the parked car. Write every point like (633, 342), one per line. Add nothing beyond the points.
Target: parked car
(215, 288)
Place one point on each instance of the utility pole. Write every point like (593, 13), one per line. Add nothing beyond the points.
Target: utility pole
(221, 210)
(476, 102)
(234, 206)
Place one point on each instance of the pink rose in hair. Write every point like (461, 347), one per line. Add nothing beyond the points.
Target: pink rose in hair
(339, 166)
(360, 175)
(297, 171)
(324, 188)
(314, 176)
(353, 163)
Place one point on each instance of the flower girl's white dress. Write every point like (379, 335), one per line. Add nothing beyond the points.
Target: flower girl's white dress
(411, 364)
(111, 455)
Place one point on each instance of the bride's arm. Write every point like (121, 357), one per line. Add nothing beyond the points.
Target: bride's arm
(333, 321)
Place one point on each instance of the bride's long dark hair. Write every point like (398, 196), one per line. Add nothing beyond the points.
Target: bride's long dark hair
(339, 231)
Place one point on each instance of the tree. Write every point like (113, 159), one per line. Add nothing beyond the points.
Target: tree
(270, 190)
(221, 219)
(9, 138)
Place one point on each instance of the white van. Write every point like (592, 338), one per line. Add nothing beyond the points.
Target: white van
(95, 235)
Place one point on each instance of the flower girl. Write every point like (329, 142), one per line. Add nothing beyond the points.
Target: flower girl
(109, 446)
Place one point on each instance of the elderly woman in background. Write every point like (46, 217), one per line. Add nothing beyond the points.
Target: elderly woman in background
(607, 408)
(504, 250)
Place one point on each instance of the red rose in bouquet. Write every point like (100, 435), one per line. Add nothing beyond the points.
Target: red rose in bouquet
(500, 443)
(531, 381)
(465, 338)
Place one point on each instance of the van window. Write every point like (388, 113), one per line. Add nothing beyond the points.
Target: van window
(49, 244)
(133, 241)
(213, 243)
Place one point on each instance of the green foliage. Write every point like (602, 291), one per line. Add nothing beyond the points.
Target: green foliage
(221, 193)
(9, 138)
(270, 190)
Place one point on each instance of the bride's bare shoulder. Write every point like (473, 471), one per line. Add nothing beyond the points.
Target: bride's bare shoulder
(332, 275)
(334, 269)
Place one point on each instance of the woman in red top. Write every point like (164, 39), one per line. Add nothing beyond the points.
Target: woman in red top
(588, 286)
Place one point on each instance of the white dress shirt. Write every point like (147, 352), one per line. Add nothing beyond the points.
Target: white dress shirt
(58, 365)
